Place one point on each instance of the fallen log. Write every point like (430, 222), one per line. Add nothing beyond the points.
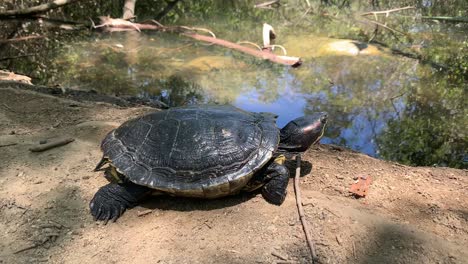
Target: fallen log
(111, 24)
(286, 60)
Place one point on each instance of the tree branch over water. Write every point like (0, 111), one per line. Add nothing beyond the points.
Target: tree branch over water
(111, 24)
(36, 9)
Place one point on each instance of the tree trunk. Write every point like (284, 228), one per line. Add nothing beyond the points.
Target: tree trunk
(129, 9)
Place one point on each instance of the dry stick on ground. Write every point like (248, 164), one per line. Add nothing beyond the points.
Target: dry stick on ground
(305, 224)
(36, 9)
(52, 145)
(30, 247)
(8, 144)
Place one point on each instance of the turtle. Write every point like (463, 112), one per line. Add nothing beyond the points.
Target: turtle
(203, 151)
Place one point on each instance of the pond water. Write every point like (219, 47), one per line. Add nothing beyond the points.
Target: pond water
(382, 104)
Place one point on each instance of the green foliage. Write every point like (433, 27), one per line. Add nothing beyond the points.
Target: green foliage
(430, 131)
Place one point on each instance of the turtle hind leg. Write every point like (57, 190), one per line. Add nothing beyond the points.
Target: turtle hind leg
(276, 183)
(111, 200)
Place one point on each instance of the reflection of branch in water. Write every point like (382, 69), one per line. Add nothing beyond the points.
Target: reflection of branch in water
(393, 104)
(166, 10)
(372, 123)
(385, 26)
(268, 5)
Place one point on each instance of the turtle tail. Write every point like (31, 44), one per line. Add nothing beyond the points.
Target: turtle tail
(101, 163)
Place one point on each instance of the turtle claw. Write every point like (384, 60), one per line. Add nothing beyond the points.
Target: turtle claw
(112, 200)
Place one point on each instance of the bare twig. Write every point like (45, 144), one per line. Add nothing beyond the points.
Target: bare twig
(144, 212)
(354, 251)
(7, 107)
(278, 255)
(447, 19)
(36, 9)
(8, 144)
(267, 5)
(250, 43)
(384, 26)
(387, 12)
(32, 246)
(20, 39)
(17, 57)
(305, 224)
(281, 47)
(167, 9)
(52, 145)
(199, 29)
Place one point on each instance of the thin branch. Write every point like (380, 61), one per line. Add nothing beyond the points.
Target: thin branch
(166, 10)
(199, 29)
(250, 43)
(384, 26)
(387, 12)
(268, 5)
(281, 47)
(51, 145)
(17, 57)
(19, 39)
(447, 19)
(36, 9)
(286, 60)
(8, 144)
(305, 224)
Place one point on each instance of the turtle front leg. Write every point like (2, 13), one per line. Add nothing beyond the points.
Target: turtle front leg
(111, 200)
(276, 181)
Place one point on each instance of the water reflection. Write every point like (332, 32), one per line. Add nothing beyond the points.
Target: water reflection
(366, 96)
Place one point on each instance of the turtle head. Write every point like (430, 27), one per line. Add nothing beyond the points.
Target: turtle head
(299, 134)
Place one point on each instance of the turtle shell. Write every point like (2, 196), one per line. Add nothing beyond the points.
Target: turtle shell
(196, 151)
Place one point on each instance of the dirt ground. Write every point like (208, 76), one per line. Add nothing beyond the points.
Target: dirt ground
(411, 214)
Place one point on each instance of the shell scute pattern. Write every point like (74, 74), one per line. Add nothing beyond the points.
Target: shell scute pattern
(200, 151)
